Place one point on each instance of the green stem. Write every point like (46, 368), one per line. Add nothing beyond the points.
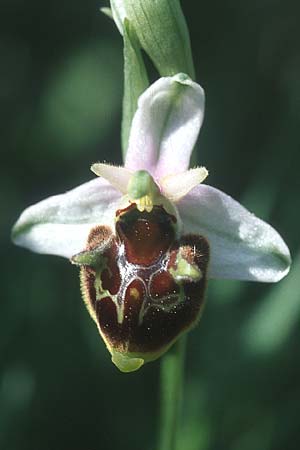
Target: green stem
(172, 378)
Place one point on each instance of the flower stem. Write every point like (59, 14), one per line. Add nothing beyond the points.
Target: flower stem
(172, 378)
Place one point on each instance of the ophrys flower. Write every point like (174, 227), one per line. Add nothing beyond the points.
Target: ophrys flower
(147, 235)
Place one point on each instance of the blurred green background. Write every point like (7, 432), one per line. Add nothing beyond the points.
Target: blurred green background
(61, 92)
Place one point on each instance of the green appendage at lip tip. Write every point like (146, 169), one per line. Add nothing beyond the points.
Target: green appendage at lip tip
(125, 363)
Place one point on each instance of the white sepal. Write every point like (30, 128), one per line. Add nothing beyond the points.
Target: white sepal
(243, 246)
(60, 224)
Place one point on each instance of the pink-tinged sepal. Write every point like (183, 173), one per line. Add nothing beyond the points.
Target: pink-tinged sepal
(165, 126)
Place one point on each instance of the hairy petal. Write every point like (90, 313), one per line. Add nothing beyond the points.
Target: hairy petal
(117, 176)
(165, 126)
(177, 186)
(60, 224)
(242, 246)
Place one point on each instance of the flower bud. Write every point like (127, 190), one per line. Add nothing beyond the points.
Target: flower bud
(162, 32)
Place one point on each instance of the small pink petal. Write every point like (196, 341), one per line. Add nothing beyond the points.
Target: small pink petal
(117, 176)
(174, 187)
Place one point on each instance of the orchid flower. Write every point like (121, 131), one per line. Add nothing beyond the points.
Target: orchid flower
(147, 235)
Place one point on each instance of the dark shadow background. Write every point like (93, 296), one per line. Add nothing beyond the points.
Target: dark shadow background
(61, 91)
